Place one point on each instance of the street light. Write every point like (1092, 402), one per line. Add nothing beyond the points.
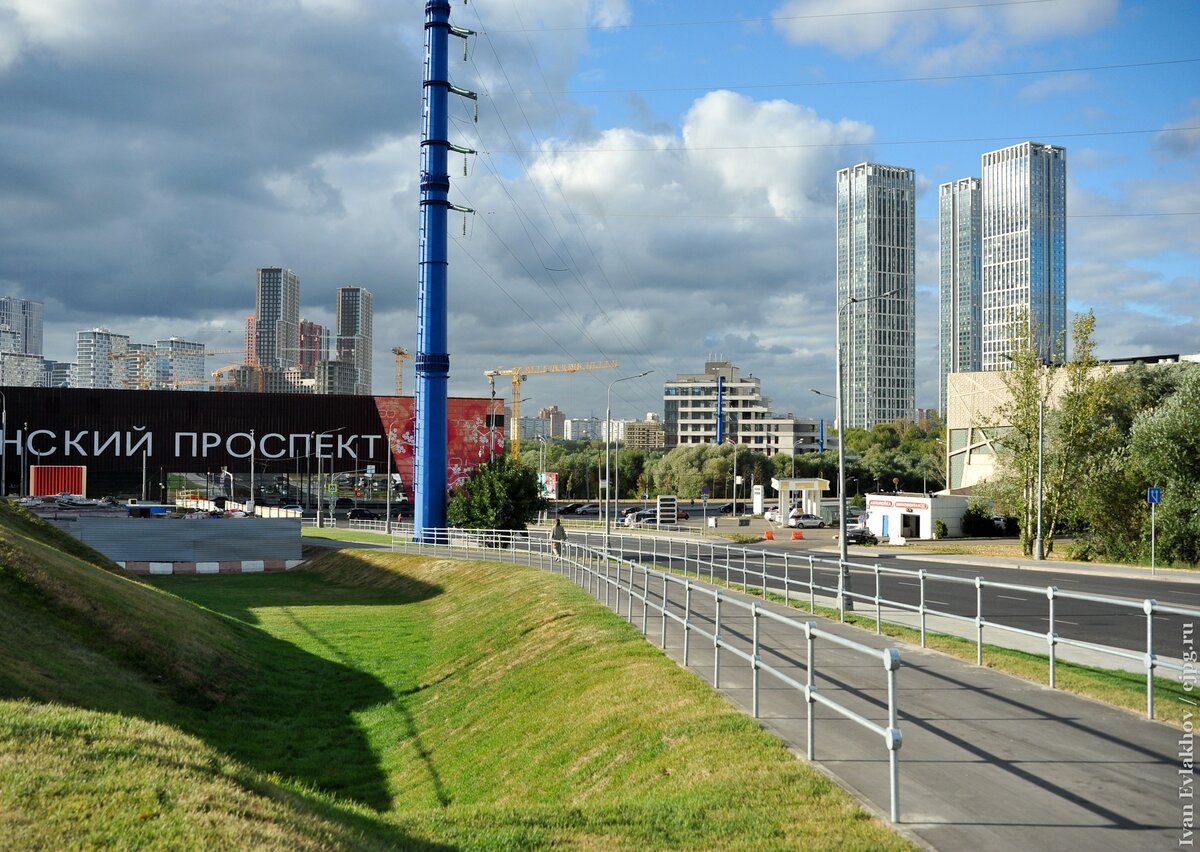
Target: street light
(843, 554)
(3, 445)
(320, 470)
(607, 442)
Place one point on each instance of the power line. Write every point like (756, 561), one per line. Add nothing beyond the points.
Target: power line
(941, 78)
(773, 19)
(860, 144)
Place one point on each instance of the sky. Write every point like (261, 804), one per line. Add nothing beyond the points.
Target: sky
(654, 182)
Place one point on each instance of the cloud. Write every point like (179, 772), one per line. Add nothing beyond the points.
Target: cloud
(937, 40)
(1182, 141)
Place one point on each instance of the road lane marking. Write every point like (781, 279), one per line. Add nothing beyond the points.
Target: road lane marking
(1011, 598)
(940, 603)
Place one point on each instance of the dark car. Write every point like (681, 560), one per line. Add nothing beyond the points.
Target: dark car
(860, 535)
(724, 509)
(569, 508)
(363, 515)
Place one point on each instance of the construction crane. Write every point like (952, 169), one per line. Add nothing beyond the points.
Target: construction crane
(220, 376)
(519, 374)
(401, 354)
(140, 356)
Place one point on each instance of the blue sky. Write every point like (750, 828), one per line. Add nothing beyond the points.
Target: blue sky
(655, 183)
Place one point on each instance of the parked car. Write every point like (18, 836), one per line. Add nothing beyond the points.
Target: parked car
(641, 517)
(361, 514)
(860, 535)
(804, 521)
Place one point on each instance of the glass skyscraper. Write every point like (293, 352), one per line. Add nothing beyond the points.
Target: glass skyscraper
(960, 277)
(355, 333)
(277, 318)
(1024, 237)
(876, 237)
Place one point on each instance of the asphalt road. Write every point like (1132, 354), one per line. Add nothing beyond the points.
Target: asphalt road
(1087, 621)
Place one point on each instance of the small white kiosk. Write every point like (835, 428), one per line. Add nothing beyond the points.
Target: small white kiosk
(807, 492)
(899, 517)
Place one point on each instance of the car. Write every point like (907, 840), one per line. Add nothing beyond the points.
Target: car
(292, 507)
(805, 521)
(641, 517)
(361, 514)
(860, 535)
(724, 509)
(588, 509)
(569, 508)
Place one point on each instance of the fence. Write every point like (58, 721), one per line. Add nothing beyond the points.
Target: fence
(598, 571)
(776, 572)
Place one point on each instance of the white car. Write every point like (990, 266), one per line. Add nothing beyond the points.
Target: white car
(806, 521)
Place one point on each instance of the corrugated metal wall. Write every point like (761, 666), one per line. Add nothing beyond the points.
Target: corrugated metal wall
(180, 540)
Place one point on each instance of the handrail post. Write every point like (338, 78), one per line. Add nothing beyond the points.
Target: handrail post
(810, 686)
(754, 659)
(687, 618)
(645, 597)
(812, 586)
(787, 583)
(764, 575)
(717, 641)
(841, 587)
(1051, 636)
(891, 662)
(878, 610)
(662, 639)
(921, 604)
(979, 621)
(1148, 605)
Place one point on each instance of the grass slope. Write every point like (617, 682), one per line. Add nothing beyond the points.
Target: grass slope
(374, 700)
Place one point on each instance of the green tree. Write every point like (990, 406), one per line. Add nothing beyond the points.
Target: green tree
(499, 494)
(1165, 450)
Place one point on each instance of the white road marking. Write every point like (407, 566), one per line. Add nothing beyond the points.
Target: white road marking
(1011, 598)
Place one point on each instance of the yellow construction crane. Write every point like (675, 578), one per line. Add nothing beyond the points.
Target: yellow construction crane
(401, 354)
(519, 375)
(140, 356)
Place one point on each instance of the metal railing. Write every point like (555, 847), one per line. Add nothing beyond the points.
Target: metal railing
(604, 575)
(773, 572)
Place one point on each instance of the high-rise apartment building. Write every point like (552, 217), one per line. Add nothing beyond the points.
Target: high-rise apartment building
(314, 345)
(179, 365)
(251, 356)
(355, 324)
(1024, 263)
(555, 418)
(277, 318)
(25, 318)
(101, 359)
(960, 280)
(876, 292)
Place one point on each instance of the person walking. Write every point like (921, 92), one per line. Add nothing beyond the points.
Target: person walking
(557, 537)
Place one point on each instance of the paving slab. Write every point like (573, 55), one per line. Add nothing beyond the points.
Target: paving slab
(988, 761)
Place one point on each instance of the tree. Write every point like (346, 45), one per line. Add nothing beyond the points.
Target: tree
(1165, 450)
(499, 494)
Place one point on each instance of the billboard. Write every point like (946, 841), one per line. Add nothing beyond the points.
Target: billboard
(117, 431)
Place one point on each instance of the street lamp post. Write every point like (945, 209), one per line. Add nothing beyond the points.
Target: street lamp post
(607, 442)
(3, 445)
(320, 469)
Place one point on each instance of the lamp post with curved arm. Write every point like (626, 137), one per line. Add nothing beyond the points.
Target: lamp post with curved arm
(607, 443)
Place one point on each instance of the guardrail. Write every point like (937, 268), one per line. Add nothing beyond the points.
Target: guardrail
(598, 571)
(753, 569)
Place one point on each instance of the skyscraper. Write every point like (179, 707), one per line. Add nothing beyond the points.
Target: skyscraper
(355, 323)
(960, 277)
(876, 235)
(1024, 264)
(277, 318)
(314, 345)
(25, 318)
(101, 359)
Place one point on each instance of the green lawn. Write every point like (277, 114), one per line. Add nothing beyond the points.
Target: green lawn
(373, 700)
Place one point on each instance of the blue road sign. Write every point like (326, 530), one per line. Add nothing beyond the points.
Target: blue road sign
(1153, 495)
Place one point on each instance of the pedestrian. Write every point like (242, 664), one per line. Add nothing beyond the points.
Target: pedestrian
(557, 537)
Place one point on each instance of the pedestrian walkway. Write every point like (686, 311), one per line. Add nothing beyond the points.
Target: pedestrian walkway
(988, 761)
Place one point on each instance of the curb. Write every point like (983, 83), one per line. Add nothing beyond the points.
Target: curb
(245, 566)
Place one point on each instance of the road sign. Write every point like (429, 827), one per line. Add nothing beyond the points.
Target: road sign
(1153, 495)
(370, 470)
(331, 488)
(704, 491)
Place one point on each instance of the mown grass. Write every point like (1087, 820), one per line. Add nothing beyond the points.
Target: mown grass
(371, 701)
(1120, 689)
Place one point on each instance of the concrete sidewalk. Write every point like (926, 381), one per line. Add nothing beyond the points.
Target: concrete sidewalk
(988, 761)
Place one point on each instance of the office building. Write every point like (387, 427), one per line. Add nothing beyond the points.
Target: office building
(101, 359)
(355, 335)
(690, 412)
(876, 292)
(179, 365)
(959, 280)
(1024, 263)
(277, 318)
(25, 318)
